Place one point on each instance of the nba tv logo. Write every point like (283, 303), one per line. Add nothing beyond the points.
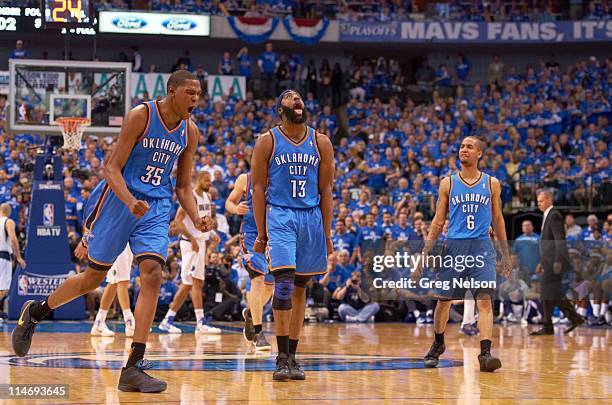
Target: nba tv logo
(48, 214)
(48, 227)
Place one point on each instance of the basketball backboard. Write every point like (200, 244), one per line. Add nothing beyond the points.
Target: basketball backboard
(40, 91)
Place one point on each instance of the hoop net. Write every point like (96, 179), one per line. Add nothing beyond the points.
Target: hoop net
(72, 131)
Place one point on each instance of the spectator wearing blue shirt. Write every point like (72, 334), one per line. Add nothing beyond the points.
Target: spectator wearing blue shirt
(403, 232)
(343, 240)
(336, 275)
(244, 65)
(225, 66)
(463, 69)
(370, 236)
(344, 264)
(5, 184)
(377, 171)
(527, 247)
(387, 225)
(443, 77)
(167, 290)
(295, 70)
(19, 52)
(362, 205)
(268, 63)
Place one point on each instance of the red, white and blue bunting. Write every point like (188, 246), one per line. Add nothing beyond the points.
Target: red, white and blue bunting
(253, 30)
(306, 31)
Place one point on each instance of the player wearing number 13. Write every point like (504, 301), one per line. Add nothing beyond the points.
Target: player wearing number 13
(134, 207)
(293, 171)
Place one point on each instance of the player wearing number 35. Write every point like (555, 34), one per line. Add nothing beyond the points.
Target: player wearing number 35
(134, 206)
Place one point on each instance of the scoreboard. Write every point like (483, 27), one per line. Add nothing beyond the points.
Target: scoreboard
(67, 13)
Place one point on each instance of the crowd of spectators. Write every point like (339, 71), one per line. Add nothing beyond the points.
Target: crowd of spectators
(375, 11)
(546, 126)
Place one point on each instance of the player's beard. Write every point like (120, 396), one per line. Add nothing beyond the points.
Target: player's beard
(292, 117)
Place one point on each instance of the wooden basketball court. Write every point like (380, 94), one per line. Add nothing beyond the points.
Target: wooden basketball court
(368, 363)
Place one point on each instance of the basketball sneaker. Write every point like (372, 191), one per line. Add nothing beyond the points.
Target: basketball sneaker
(468, 330)
(260, 343)
(249, 330)
(129, 327)
(134, 379)
(167, 326)
(204, 329)
(432, 358)
(488, 362)
(296, 372)
(282, 371)
(99, 328)
(21, 337)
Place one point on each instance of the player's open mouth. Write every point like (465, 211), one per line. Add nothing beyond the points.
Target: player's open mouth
(298, 108)
(190, 109)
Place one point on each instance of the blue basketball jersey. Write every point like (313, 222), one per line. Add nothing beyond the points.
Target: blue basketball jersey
(149, 167)
(470, 208)
(248, 221)
(293, 173)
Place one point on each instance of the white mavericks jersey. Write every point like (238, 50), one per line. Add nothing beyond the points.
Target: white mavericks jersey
(5, 243)
(204, 209)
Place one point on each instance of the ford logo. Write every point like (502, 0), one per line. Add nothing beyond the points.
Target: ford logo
(129, 23)
(179, 24)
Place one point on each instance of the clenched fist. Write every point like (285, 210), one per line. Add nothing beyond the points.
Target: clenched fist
(80, 251)
(242, 208)
(139, 207)
(260, 245)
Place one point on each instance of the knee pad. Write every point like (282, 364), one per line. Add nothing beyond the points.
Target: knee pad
(283, 289)
(301, 281)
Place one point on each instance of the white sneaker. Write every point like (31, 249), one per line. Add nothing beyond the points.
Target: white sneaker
(129, 328)
(100, 328)
(168, 327)
(350, 319)
(207, 330)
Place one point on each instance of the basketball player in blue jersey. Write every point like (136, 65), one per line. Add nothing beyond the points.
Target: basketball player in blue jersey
(473, 199)
(293, 172)
(262, 281)
(135, 207)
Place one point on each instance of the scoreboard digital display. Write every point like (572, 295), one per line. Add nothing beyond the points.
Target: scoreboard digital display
(67, 13)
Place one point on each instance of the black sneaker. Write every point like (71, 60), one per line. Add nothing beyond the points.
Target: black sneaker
(282, 368)
(134, 379)
(296, 372)
(260, 343)
(24, 329)
(488, 362)
(249, 330)
(431, 359)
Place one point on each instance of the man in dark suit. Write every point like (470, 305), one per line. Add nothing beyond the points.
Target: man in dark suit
(554, 262)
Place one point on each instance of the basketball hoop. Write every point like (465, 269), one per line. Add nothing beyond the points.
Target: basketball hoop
(72, 130)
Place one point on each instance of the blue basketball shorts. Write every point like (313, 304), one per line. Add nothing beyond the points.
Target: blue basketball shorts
(110, 226)
(296, 240)
(253, 261)
(467, 265)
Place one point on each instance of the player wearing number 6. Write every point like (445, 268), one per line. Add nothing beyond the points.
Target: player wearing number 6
(472, 200)
(135, 207)
(293, 171)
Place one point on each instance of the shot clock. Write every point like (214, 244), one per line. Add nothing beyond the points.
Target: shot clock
(67, 13)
